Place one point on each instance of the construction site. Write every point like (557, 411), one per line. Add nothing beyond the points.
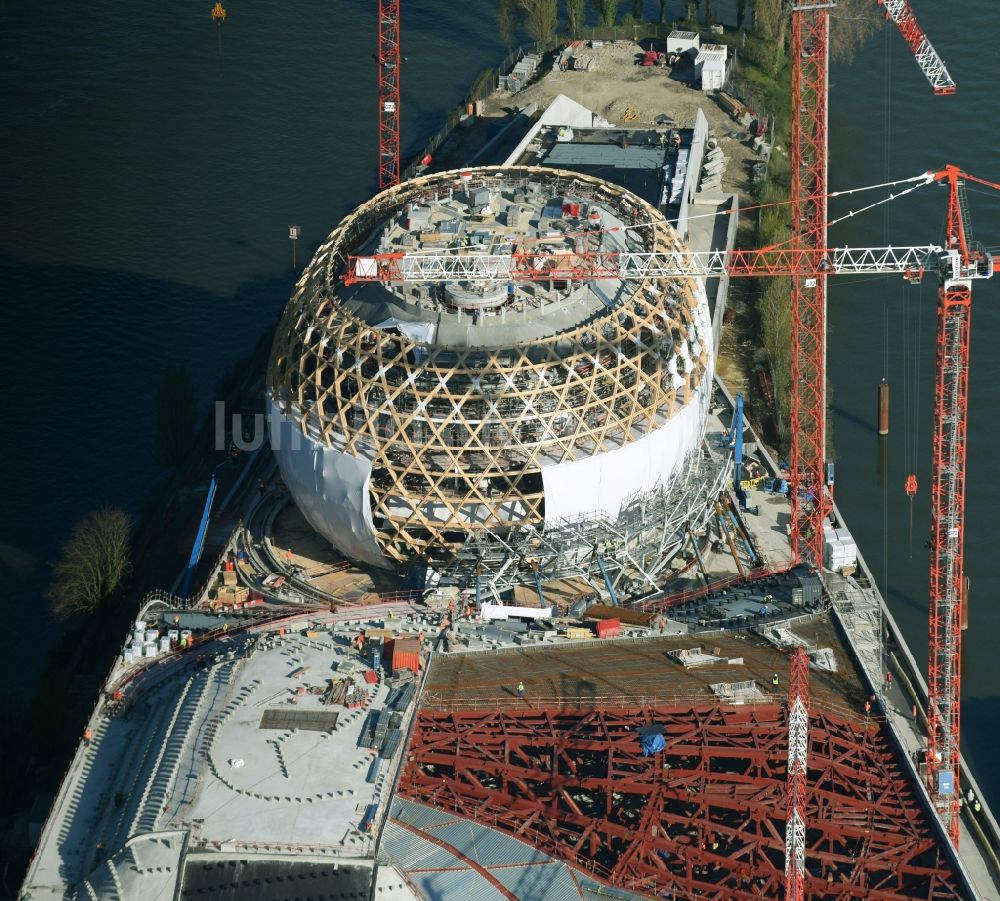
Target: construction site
(478, 414)
(523, 607)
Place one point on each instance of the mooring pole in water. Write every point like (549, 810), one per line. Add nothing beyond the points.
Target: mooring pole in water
(219, 16)
(293, 235)
(883, 407)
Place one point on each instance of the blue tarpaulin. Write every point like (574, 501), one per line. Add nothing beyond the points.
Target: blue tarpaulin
(650, 744)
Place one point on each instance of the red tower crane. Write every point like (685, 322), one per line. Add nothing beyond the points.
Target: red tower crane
(809, 507)
(808, 261)
(389, 60)
(951, 396)
(810, 81)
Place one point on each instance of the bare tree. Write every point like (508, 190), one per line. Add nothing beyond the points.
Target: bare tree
(771, 19)
(574, 16)
(92, 564)
(540, 18)
(607, 12)
(506, 21)
(851, 24)
(775, 310)
(767, 17)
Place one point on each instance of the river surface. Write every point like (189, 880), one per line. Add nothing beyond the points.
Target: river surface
(148, 183)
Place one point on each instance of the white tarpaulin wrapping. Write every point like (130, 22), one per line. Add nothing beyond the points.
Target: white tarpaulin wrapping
(329, 487)
(604, 482)
(415, 331)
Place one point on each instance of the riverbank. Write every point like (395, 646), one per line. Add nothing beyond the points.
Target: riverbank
(50, 724)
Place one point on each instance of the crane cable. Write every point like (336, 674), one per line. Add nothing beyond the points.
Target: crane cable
(909, 350)
(916, 181)
(887, 157)
(917, 359)
(909, 401)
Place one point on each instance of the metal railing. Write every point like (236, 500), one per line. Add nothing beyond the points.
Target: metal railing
(662, 601)
(671, 702)
(579, 702)
(195, 598)
(389, 792)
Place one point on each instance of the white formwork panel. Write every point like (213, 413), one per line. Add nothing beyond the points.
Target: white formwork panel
(602, 483)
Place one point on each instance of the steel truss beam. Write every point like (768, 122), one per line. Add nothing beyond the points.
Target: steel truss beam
(591, 266)
(703, 818)
(636, 545)
(798, 765)
(933, 67)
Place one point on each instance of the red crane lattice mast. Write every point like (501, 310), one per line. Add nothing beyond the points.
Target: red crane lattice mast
(809, 501)
(810, 84)
(810, 65)
(951, 398)
(388, 93)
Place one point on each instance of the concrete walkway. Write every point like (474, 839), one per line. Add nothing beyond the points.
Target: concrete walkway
(861, 611)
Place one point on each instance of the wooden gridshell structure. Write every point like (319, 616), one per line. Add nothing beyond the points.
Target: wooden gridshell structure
(457, 436)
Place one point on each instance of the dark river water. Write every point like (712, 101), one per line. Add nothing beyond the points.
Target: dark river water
(147, 184)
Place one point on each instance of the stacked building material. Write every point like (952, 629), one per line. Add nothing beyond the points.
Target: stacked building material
(630, 617)
(840, 552)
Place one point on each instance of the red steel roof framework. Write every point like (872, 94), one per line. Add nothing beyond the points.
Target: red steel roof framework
(705, 817)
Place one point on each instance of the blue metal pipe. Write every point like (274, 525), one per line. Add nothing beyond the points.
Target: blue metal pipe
(199, 541)
(538, 585)
(607, 582)
(737, 430)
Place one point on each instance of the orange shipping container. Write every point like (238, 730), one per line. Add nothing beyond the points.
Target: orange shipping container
(406, 655)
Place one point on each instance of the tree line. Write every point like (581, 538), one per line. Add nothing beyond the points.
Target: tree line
(546, 20)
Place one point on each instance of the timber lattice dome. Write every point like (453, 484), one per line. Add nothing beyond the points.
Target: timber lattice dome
(465, 399)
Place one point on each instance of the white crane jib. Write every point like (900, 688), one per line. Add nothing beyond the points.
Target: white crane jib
(390, 268)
